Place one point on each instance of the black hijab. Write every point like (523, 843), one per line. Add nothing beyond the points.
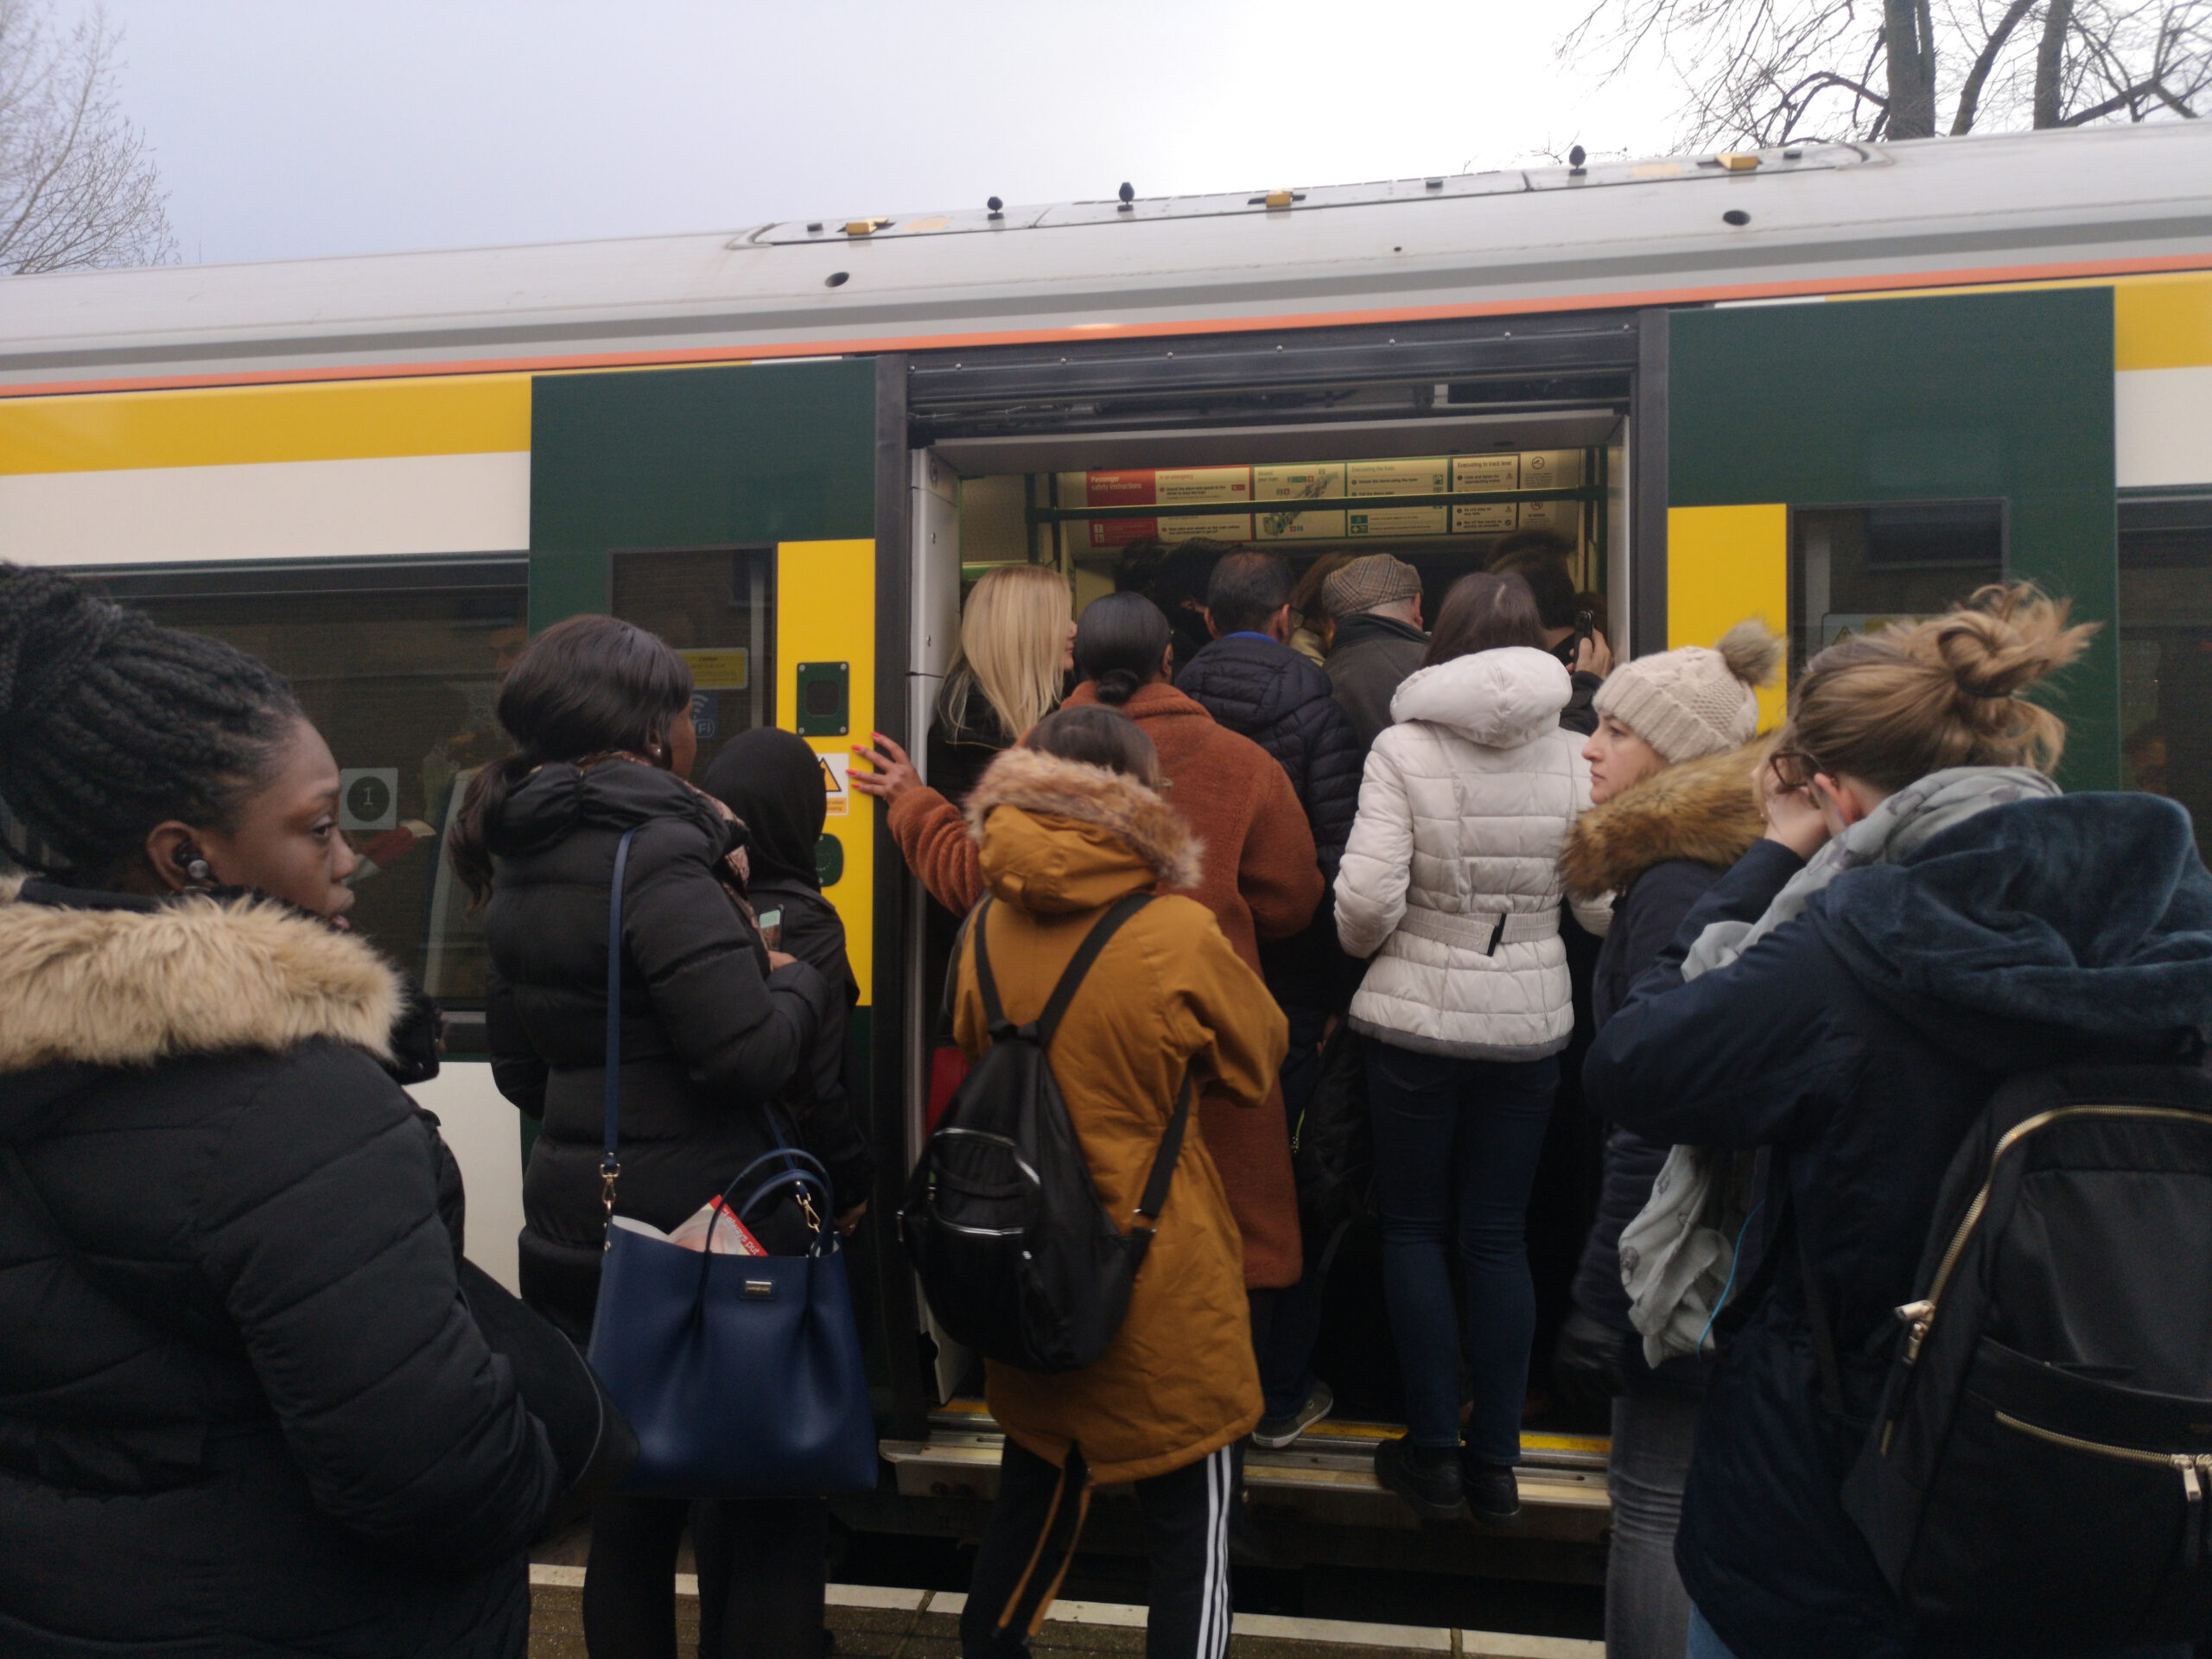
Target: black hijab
(773, 781)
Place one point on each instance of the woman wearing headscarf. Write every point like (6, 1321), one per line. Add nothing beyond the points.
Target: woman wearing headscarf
(772, 781)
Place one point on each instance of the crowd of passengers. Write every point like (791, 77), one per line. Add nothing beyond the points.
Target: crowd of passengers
(254, 1398)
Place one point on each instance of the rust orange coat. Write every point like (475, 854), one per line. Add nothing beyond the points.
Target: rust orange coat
(1262, 880)
(1060, 843)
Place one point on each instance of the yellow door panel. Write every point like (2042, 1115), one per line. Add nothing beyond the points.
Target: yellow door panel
(825, 618)
(1725, 564)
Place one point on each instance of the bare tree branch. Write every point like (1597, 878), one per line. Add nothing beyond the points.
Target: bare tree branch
(77, 185)
(1759, 73)
(1984, 60)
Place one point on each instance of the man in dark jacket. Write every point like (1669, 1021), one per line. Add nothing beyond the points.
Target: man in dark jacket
(1377, 602)
(1250, 680)
(1859, 1040)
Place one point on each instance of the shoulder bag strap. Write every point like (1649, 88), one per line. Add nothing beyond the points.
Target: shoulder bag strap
(1078, 965)
(610, 1167)
(1164, 1160)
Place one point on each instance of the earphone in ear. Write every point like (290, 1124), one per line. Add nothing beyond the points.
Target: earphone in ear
(194, 865)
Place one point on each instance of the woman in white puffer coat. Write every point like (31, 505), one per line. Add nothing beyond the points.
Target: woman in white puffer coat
(1450, 887)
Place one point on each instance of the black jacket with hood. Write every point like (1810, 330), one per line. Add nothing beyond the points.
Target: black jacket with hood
(1858, 1041)
(1270, 694)
(710, 1035)
(1658, 847)
(772, 781)
(243, 1406)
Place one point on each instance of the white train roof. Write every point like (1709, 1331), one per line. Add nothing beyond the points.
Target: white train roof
(1527, 239)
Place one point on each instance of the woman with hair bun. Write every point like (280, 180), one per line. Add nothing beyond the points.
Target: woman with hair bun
(244, 1404)
(1261, 880)
(1926, 915)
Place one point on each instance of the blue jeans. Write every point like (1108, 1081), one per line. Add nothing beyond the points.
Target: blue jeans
(1646, 1610)
(1456, 1145)
(1705, 1643)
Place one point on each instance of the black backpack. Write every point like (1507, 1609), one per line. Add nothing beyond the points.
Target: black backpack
(1332, 1145)
(2040, 1468)
(1018, 1259)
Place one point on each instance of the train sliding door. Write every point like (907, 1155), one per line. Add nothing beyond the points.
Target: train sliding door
(1847, 465)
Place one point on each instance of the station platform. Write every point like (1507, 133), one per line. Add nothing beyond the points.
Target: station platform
(872, 1623)
(1317, 1502)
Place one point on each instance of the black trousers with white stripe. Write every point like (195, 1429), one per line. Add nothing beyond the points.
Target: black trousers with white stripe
(1032, 1537)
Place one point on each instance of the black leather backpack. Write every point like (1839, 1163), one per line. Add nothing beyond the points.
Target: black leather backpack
(1020, 1259)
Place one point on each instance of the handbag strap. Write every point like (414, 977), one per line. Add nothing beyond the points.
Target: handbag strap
(610, 1167)
(1071, 977)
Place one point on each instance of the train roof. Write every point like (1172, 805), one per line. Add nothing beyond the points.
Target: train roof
(1816, 217)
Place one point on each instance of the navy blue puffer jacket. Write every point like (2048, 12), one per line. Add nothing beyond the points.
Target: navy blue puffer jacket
(1268, 693)
(1860, 1041)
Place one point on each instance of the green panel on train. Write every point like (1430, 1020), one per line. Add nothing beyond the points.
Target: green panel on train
(1952, 397)
(667, 458)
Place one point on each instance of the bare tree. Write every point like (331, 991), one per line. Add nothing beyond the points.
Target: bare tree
(1760, 73)
(76, 187)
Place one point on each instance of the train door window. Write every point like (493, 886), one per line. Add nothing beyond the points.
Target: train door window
(398, 664)
(1853, 570)
(716, 606)
(2165, 651)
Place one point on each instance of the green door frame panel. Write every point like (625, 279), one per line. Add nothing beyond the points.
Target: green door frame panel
(1939, 397)
(742, 454)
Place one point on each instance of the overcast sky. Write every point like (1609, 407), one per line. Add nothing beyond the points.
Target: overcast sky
(285, 128)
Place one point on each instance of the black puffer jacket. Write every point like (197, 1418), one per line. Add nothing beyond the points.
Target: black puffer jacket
(1859, 1040)
(1270, 694)
(708, 1034)
(242, 1408)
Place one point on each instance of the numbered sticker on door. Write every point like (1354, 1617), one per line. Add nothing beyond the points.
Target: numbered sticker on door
(368, 797)
(837, 782)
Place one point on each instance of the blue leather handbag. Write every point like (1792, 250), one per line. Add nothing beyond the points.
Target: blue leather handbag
(741, 1374)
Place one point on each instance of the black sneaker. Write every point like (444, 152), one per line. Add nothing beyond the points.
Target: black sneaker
(1275, 1432)
(1426, 1477)
(1493, 1495)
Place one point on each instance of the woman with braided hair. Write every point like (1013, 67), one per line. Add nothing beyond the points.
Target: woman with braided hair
(247, 1401)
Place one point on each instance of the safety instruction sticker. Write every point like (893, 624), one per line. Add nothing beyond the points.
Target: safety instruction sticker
(837, 782)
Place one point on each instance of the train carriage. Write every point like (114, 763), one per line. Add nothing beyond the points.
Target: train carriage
(1832, 384)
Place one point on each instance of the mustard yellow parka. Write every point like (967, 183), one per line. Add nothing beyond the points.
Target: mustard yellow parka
(1060, 843)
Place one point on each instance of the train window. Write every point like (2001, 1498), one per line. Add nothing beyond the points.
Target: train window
(716, 606)
(2165, 651)
(398, 663)
(1854, 569)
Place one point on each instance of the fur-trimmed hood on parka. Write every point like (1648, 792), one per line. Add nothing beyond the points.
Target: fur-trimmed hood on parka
(1043, 787)
(136, 983)
(1706, 811)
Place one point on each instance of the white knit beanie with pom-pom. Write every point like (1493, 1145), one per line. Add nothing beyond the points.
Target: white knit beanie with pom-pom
(1693, 702)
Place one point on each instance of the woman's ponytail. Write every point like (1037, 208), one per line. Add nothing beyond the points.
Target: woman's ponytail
(1120, 641)
(1890, 708)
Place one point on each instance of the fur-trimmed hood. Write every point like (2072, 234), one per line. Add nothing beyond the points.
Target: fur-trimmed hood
(1044, 786)
(1702, 809)
(133, 984)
